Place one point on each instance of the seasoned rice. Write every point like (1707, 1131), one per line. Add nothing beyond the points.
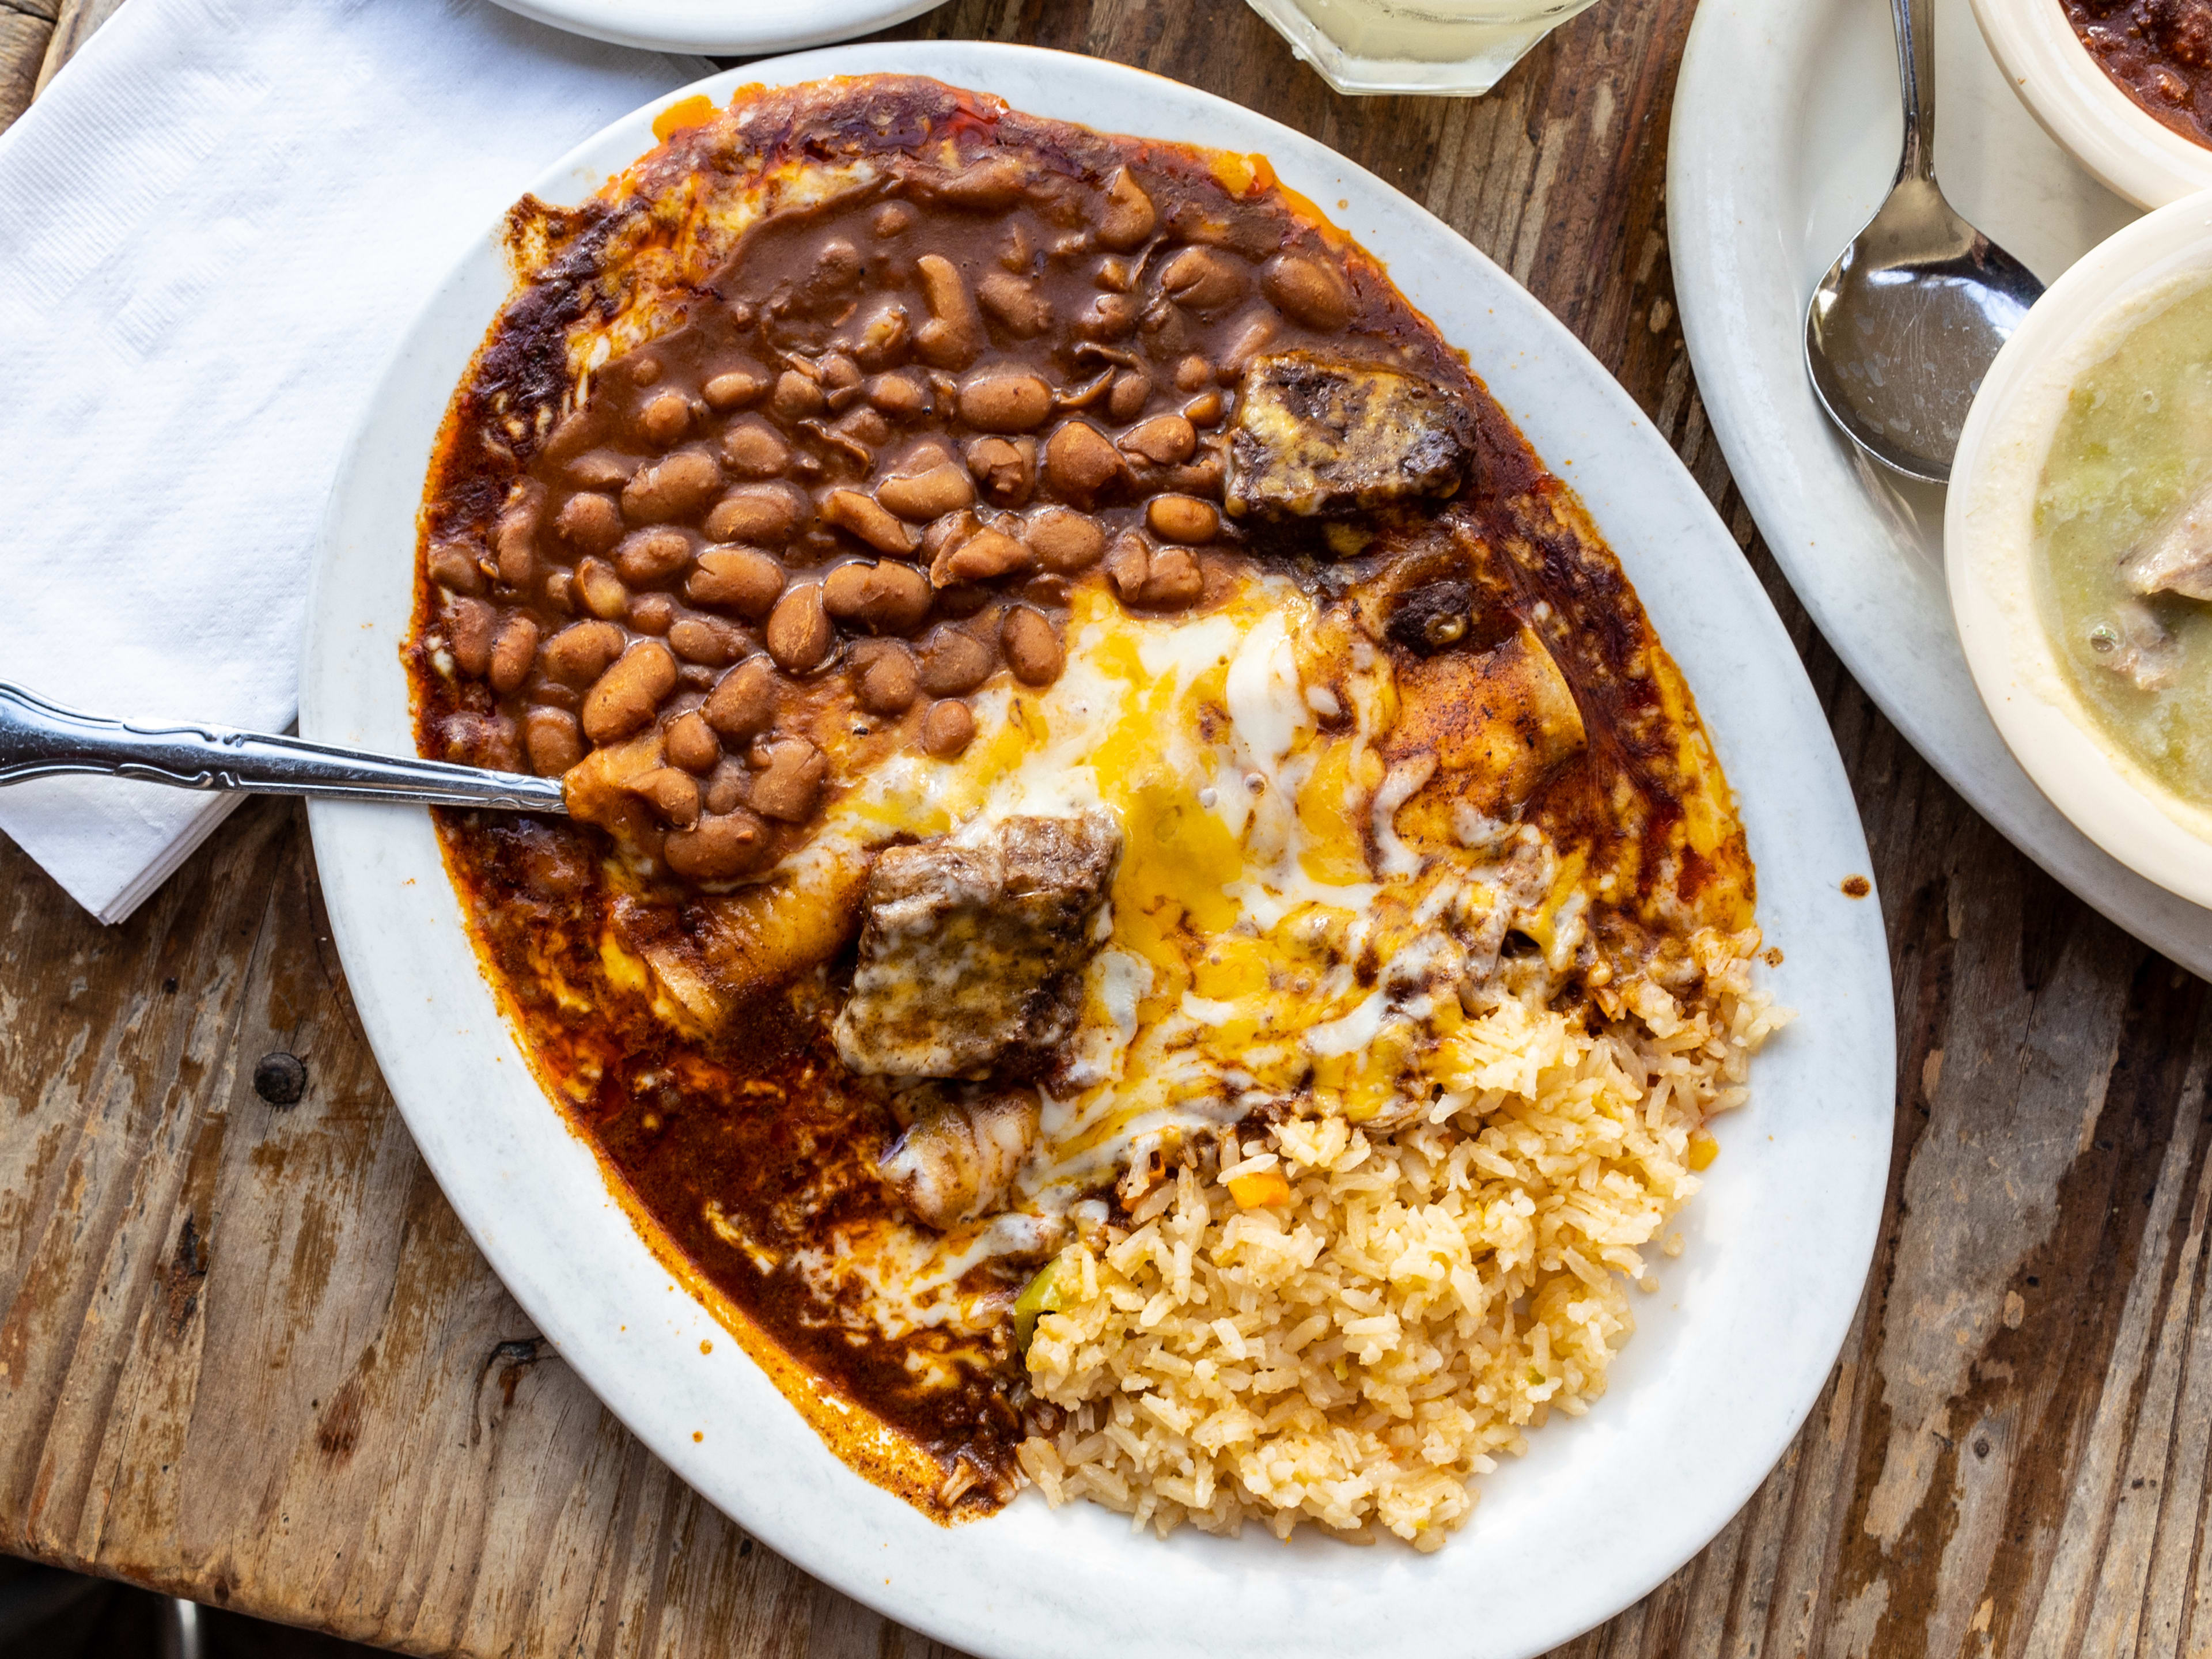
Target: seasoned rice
(1352, 1357)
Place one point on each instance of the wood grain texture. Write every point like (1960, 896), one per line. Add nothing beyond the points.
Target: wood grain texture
(248, 1355)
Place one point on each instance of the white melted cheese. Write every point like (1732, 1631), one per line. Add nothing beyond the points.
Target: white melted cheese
(1228, 975)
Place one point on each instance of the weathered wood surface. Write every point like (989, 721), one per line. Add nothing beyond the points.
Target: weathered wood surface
(248, 1355)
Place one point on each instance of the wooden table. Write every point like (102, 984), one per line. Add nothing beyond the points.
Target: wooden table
(248, 1355)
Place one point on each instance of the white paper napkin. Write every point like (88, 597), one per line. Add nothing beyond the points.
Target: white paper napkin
(212, 228)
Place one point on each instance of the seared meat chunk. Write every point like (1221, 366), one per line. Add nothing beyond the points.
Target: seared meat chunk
(969, 944)
(1314, 437)
(958, 1161)
(2136, 645)
(2177, 557)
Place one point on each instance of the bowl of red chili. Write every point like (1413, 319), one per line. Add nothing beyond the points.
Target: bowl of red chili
(2124, 86)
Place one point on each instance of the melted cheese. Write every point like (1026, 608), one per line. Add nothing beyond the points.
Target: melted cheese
(1270, 937)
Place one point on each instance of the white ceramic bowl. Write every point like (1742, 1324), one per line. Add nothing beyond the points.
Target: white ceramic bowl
(1987, 534)
(1726, 1358)
(2121, 143)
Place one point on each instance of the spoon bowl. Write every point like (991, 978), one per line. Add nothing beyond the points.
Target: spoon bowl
(1901, 332)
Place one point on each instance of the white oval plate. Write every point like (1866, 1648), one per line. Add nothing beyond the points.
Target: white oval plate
(724, 28)
(1784, 141)
(1731, 1354)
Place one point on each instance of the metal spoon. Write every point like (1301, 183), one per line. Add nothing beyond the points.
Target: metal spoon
(40, 740)
(1904, 324)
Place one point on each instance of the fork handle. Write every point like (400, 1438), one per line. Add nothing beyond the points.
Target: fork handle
(41, 739)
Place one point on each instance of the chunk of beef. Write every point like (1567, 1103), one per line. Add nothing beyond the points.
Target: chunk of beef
(1315, 437)
(959, 1161)
(969, 945)
(2177, 557)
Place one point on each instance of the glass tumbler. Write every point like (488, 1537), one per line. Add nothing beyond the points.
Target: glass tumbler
(1459, 48)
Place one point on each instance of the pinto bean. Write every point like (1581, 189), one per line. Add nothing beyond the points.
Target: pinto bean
(1182, 519)
(470, 627)
(1202, 280)
(888, 679)
(514, 542)
(901, 397)
(1032, 647)
(1250, 339)
(791, 783)
(851, 511)
(1064, 541)
(1005, 468)
(993, 182)
(728, 787)
(626, 696)
(740, 578)
(1205, 410)
(742, 705)
(839, 373)
(691, 742)
(732, 389)
(666, 417)
(597, 469)
(797, 396)
(603, 591)
(652, 555)
(721, 846)
(882, 597)
(452, 566)
(954, 661)
(837, 267)
(1081, 462)
(947, 729)
(651, 613)
(984, 556)
(953, 335)
(799, 632)
(580, 653)
(1127, 397)
(512, 653)
(766, 515)
(678, 487)
(1003, 400)
(1015, 305)
(1192, 371)
(1307, 290)
(1108, 317)
(864, 427)
(1163, 440)
(707, 640)
(1165, 579)
(944, 488)
(643, 369)
(751, 448)
(885, 337)
(673, 794)
(553, 740)
(1129, 216)
(892, 219)
(590, 523)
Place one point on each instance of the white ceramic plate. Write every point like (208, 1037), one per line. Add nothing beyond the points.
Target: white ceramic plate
(1732, 1352)
(724, 28)
(1786, 137)
(1990, 528)
(2113, 138)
